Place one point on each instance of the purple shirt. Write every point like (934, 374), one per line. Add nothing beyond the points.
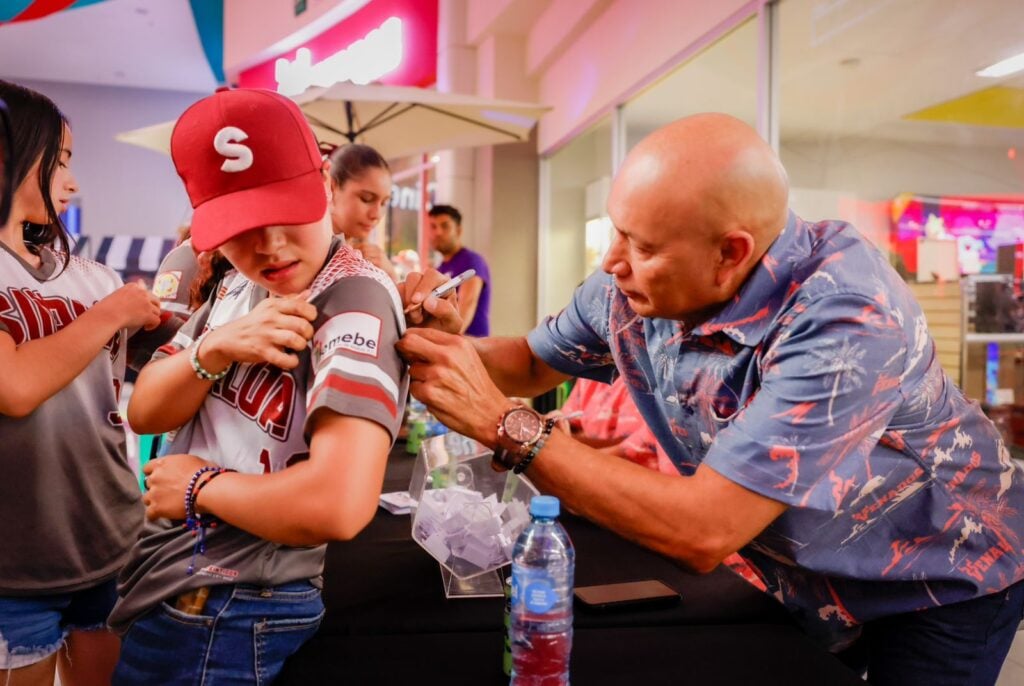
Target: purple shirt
(818, 386)
(467, 259)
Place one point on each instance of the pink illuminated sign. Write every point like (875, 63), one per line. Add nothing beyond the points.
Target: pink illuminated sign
(388, 41)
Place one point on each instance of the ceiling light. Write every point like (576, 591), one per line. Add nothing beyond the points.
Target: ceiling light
(1007, 66)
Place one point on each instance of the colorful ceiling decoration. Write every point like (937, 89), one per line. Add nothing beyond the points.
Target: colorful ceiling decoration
(26, 10)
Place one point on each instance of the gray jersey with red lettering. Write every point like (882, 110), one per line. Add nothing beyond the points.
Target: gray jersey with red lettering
(71, 506)
(255, 420)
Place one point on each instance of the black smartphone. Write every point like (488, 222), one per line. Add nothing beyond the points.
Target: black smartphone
(649, 593)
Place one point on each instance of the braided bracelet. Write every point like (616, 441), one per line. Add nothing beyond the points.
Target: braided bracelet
(193, 520)
(199, 488)
(197, 366)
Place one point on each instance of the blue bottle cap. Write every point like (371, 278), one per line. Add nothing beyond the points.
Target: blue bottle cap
(544, 506)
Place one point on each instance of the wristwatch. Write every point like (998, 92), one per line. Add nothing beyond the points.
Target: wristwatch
(518, 430)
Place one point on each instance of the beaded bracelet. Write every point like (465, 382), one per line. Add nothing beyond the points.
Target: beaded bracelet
(199, 488)
(194, 521)
(197, 366)
(191, 519)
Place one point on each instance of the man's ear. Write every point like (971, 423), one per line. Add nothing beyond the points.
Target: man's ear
(735, 254)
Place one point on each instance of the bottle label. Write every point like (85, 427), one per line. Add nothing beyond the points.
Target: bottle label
(534, 589)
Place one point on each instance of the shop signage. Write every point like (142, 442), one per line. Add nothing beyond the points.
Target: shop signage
(393, 42)
(365, 61)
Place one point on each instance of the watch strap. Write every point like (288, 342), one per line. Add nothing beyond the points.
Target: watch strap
(537, 446)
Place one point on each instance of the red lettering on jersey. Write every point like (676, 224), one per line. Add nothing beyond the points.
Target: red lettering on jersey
(10, 321)
(254, 391)
(59, 311)
(277, 412)
(297, 458)
(114, 417)
(29, 313)
(263, 393)
(227, 388)
(114, 345)
(294, 459)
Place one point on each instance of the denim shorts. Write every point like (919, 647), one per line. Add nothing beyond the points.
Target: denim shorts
(33, 627)
(242, 636)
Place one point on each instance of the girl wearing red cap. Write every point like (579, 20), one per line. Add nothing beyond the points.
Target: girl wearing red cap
(286, 392)
(70, 508)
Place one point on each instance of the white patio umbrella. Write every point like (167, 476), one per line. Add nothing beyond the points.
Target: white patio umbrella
(397, 121)
(400, 121)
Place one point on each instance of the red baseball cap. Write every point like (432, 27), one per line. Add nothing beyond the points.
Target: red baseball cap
(248, 159)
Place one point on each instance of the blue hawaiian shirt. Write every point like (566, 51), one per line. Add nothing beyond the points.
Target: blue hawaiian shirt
(818, 386)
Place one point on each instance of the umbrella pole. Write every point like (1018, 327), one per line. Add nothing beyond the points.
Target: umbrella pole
(350, 133)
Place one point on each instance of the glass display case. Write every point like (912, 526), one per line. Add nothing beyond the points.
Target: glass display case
(992, 351)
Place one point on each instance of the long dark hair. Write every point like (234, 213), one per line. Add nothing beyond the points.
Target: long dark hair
(37, 131)
(350, 161)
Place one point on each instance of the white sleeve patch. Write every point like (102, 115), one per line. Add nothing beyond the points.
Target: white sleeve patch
(357, 332)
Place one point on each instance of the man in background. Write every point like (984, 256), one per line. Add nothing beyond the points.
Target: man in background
(475, 293)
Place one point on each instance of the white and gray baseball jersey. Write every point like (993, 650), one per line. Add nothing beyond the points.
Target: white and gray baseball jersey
(71, 506)
(255, 420)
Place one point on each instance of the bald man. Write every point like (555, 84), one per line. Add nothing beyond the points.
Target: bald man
(787, 371)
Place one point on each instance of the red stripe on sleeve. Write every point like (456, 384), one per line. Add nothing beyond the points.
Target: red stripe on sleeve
(362, 390)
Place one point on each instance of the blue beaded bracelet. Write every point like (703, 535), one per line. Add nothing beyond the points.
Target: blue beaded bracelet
(194, 521)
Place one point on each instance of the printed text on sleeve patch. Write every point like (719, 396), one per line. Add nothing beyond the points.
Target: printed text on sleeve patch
(357, 332)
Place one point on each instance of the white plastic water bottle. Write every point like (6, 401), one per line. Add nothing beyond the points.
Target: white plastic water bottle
(543, 561)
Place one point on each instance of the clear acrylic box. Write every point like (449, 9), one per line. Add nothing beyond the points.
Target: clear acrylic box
(467, 516)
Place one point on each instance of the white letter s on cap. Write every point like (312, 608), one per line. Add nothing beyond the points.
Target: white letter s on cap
(227, 143)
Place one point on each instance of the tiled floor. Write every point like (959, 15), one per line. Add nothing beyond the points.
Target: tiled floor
(1013, 668)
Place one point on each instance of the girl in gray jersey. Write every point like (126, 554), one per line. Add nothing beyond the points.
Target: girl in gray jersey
(287, 394)
(69, 504)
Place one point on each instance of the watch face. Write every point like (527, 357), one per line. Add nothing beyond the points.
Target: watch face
(522, 425)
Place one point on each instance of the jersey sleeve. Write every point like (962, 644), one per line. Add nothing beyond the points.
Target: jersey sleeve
(187, 332)
(575, 341)
(174, 280)
(356, 370)
(830, 384)
(171, 285)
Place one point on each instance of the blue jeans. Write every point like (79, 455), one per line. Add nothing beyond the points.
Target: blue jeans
(33, 627)
(243, 636)
(963, 644)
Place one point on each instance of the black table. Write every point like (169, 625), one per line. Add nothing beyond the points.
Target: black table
(388, 621)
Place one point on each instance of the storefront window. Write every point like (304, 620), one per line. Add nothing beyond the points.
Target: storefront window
(885, 122)
(579, 175)
(721, 78)
(402, 222)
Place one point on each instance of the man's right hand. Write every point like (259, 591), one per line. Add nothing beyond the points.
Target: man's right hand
(435, 313)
